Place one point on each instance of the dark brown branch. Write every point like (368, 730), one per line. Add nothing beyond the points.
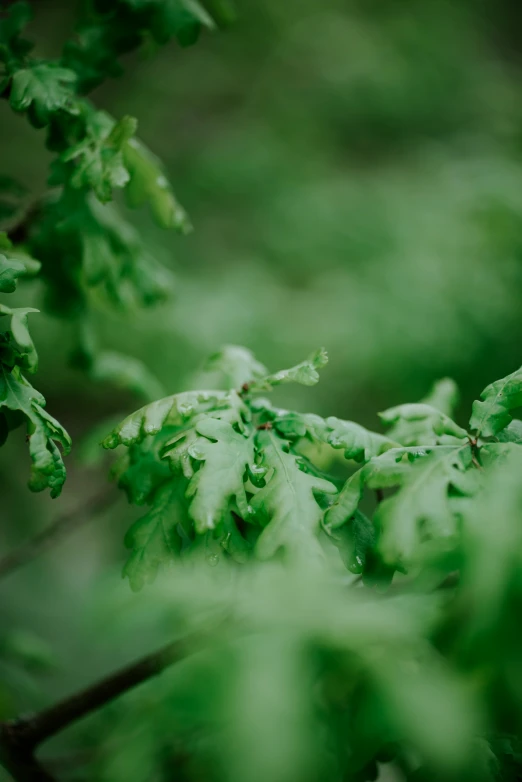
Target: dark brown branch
(19, 761)
(63, 526)
(20, 738)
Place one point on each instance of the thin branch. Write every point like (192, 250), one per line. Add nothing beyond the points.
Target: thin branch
(64, 525)
(20, 738)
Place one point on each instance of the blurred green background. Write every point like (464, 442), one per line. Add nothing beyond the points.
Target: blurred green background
(353, 171)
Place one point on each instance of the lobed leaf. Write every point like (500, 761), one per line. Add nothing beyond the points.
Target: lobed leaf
(306, 373)
(18, 344)
(225, 455)
(358, 443)
(493, 413)
(140, 470)
(148, 184)
(42, 89)
(155, 539)
(98, 157)
(421, 424)
(420, 511)
(381, 472)
(287, 506)
(17, 395)
(172, 410)
(232, 367)
(11, 270)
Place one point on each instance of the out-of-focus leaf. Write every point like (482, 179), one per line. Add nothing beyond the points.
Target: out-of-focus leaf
(148, 184)
(98, 158)
(420, 424)
(42, 89)
(230, 368)
(154, 539)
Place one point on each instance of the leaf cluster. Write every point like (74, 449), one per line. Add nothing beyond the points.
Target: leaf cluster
(247, 483)
(88, 252)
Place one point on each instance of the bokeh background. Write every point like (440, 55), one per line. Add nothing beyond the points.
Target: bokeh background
(353, 170)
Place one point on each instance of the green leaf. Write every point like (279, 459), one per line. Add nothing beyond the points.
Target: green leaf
(287, 506)
(141, 469)
(232, 541)
(412, 430)
(420, 424)
(154, 539)
(493, 547)
(20, 344)
(512, 433)
(5, 242)
(420, 512)
(98, 158)
(148, 184)
(114, 257)
(354, 540)
(445, 734)
(10, 271)
(381, 472)
(48, 470)
(492, 415)
(84, 245)
(231, 368)
(443, 396)
(173, 410)
(224, 455)
(358, 443)
(180, 18)
(306, 373)
(42, 89)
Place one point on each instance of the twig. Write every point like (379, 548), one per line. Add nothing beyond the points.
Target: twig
(20, 738)
(64, 525)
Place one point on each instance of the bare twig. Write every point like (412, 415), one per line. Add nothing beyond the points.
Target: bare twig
(63, 526)
(20, 738)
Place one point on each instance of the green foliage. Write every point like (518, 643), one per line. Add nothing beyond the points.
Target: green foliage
(491, 415)
(19, 401)
(42, 89)
(241, 488)
(287, 504)
(359, 591)
(85, 248)
(154, 539)
(304, 373)
(98, 157)
(243, 456)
